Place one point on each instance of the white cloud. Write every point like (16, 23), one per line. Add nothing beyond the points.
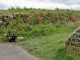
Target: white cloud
(48, 4)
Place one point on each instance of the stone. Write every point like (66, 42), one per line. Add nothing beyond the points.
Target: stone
(10, 16)
(1, 21)
(72, 45)
(20, 38)
(5, 17)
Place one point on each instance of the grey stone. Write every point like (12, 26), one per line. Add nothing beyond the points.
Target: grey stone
(72, 45)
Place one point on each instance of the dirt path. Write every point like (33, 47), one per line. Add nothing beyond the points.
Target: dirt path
(10, 51)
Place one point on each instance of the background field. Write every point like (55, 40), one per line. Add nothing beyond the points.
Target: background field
(45, 31)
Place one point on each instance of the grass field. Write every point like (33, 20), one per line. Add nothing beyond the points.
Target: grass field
(50, 47)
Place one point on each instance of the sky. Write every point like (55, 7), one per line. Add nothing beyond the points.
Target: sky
(43, 4)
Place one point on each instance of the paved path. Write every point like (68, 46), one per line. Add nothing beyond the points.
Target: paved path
(10, 51)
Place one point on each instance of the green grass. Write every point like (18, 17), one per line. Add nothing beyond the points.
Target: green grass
(45, 47)
(50, 47)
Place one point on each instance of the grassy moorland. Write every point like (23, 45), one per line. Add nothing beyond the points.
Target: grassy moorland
(45, 31)
(50, 47)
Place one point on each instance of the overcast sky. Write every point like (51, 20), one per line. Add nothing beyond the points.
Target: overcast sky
(47, 4)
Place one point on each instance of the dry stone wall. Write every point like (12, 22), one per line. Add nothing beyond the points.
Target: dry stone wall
(73, 43)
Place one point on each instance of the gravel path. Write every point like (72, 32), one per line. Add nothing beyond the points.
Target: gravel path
(10, 51)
